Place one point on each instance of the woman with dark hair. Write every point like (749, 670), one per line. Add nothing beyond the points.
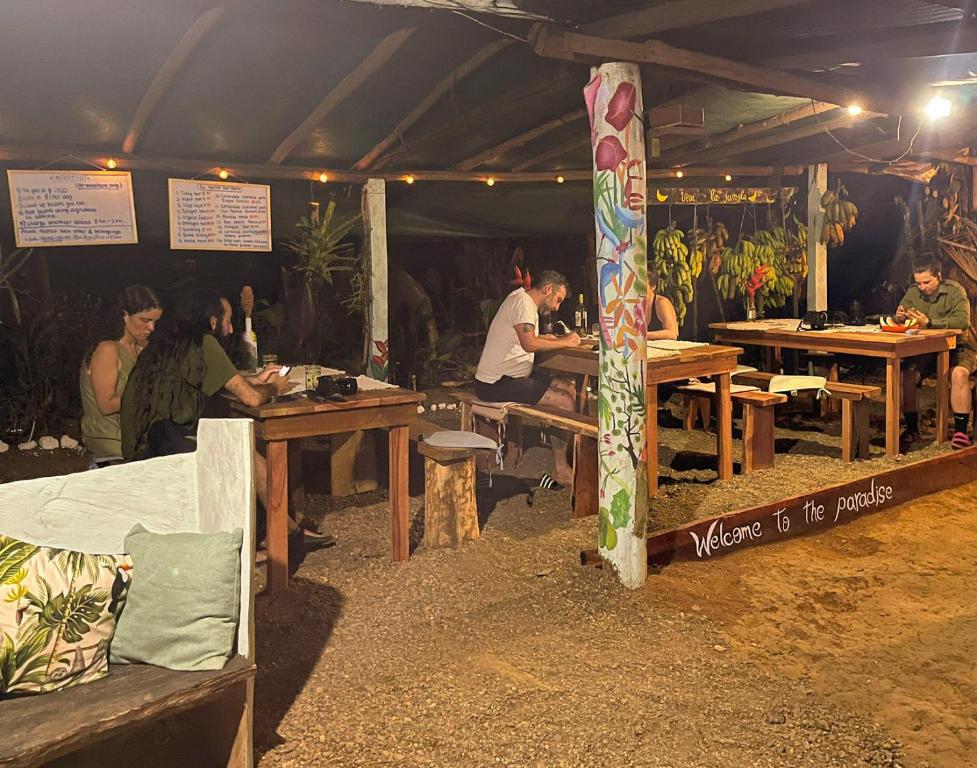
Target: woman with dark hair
(106, 368)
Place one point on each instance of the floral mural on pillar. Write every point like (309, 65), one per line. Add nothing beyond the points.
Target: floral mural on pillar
(613, 98)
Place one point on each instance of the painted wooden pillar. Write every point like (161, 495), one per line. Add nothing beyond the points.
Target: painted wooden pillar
(613, 99)
(374, 207)
(817, 252)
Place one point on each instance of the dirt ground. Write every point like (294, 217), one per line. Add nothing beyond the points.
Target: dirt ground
(846, 649)
(851, 648)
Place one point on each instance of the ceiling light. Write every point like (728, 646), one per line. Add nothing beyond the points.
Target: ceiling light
(490, 181)
(854, 110)
(938, 107)
(223, 173)
(679, 174)
(728, 177)
(560, 179)
(323, 177)
(111, 163)
(409, 178)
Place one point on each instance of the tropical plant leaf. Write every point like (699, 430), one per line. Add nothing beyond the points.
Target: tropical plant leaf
(13, 554)
(74, 612)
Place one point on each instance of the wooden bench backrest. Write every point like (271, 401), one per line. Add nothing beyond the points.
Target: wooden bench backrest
(206, 491)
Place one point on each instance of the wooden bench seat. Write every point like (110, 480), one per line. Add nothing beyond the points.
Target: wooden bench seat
(583, 427)
(758, 422)
(142, 715)
(40, 729)
(855, 398)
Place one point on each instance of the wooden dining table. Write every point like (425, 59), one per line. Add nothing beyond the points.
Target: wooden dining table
(713, 360)
(293, 418)
(892, 347)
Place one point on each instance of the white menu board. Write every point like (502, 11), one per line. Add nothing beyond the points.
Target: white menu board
(219, 216)
(72, 208)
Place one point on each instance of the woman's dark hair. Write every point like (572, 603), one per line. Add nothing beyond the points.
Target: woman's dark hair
(132, 300)
(135, 299)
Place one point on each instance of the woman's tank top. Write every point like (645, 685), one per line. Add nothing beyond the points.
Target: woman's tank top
(654, 324)
(102, 434)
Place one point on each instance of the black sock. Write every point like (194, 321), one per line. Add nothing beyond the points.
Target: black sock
(912, 421)
(960, 422)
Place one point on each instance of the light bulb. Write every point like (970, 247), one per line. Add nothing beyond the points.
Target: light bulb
(854, 110)
(409, 179)
(323, 177)
(938, 107)
(223, 173)
(490, 181)
(560, 179)
(728, 177)
(111, 163)
(679, 174)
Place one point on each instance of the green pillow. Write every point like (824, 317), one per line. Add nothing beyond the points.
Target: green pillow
(184, 600)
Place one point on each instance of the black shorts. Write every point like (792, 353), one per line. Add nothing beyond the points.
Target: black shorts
(963, 357)
(526, 390)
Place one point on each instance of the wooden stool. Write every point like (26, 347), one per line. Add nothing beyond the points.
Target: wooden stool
(450, 513)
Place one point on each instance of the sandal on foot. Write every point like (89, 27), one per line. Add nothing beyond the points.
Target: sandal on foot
(312, 541)
(547, 482)
(960, 440)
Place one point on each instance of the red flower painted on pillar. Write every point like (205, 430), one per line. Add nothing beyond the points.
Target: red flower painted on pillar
(610, 153)
(620, 109)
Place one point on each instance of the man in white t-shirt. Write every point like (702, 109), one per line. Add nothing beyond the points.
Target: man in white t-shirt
(505, 371)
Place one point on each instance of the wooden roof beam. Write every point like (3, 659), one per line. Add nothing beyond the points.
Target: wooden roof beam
(559, 44)
(197, 167)
(432, 98)
(198, 32)
(501, 105)
(345, 88)
(577, 142)
(687, 152)
(779, 138)
(521, 139)
(682, 13)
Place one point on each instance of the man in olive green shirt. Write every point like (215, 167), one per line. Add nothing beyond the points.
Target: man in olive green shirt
(937, 303)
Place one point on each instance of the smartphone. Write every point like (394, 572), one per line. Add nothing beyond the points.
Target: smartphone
(284, 370)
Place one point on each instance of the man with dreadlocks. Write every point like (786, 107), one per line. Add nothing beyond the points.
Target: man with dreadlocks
(164, 397)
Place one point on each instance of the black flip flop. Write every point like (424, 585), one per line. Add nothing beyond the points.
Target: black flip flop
(546, 482)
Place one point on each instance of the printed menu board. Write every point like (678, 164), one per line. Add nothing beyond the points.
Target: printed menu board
(53, 208)
(219, 216)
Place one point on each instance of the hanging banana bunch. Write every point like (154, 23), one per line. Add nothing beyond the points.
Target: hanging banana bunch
(797, 248)
(840, 215)
(674, 262)
(757, 267)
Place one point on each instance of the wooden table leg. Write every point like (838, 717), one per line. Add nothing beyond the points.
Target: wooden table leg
(277, 515)
(724, 425)
(399, 494)
(651, 437)
(942, 394)
(893, 398)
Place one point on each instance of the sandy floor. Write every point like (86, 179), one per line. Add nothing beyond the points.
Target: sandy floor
(846, 649)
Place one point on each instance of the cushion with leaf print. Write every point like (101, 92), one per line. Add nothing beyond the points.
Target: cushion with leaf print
(58, 611)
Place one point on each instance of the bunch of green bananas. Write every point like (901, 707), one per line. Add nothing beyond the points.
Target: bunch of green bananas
(840, 216)
(764, 256)
(797, 249)
(710, 242)
(677, 267)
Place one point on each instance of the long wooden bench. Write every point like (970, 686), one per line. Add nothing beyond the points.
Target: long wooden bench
(142, 714)
(758, 422)
(583, 427)
(855, 398)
